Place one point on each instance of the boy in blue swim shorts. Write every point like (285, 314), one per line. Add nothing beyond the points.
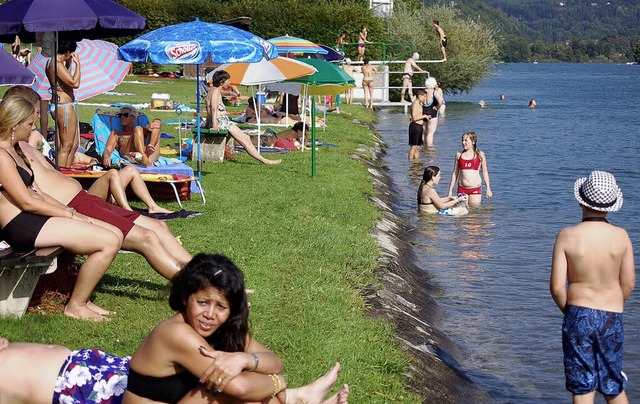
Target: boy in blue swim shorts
(592, 274)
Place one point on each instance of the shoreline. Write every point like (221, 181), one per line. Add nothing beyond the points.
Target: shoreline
(434, 374)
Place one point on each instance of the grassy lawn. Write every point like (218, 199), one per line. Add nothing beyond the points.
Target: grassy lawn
(303, 243)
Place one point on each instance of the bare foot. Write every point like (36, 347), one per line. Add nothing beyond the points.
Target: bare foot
(83, 313)
(3, 343)
(314, 392)
(340, 397)
(267, 161)
(97, 309)
(159, 209)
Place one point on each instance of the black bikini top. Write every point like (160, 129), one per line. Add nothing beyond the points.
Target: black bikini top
(169, 389)
(26, 176)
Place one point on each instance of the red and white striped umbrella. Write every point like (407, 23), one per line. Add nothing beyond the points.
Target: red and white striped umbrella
(101, 70)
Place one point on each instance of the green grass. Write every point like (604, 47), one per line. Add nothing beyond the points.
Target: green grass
(303, 243)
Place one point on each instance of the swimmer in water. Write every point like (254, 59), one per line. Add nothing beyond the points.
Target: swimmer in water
(430, 202)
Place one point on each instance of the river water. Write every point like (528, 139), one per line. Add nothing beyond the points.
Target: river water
(493, 265)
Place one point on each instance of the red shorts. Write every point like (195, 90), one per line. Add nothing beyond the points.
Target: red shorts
(470, 191)
(95, 207)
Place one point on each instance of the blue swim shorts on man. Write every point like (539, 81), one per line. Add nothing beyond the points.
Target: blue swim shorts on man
(592, 342)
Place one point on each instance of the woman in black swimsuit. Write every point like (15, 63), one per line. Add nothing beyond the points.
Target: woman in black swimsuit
(211, 322)
(30, 218)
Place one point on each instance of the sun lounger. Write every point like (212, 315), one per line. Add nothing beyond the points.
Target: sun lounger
(104, 122)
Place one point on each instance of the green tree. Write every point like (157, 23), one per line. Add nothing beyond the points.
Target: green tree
(471, 50)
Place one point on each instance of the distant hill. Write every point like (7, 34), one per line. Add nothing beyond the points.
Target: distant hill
(562, 30)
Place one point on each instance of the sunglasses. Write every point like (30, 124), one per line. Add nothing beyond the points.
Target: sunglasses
(123, 115)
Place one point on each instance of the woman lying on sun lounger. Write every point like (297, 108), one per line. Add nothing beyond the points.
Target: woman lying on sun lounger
(217, 117)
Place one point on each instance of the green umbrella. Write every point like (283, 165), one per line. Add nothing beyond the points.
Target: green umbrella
(328, 80)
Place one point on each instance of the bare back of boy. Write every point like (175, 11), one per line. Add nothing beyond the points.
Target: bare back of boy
(596, 259)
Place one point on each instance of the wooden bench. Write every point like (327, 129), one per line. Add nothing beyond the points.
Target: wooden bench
(19, 274)
(212, 144)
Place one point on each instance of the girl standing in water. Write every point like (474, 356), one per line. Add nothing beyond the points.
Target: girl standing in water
(466, 170)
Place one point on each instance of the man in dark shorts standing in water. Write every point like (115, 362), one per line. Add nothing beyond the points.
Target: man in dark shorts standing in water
(592, 274)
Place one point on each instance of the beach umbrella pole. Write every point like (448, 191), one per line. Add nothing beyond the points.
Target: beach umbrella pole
(199, 164)
(313, 136)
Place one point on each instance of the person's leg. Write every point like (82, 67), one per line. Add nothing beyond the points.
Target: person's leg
(245, 141)
(82, 238)
(370, 86)
(405, 85)
(139, 145)
(168, 240)
(412, 96)
(111, 185)
(619, 399)
(67, 122)
(130, 176)
(588, 398)
(365, 89)
(432, 125)
(146, 243)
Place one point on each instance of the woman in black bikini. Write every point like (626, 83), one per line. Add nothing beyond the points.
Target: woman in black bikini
(174, 362)
(30, 218)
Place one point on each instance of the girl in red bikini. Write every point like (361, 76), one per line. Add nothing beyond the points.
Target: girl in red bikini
(466, 170)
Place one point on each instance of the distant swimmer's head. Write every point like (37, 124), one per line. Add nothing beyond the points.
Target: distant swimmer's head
(415, 56)
(481, 103)
(533, 104)
(503, 97)
(599, 191)
(431, 82)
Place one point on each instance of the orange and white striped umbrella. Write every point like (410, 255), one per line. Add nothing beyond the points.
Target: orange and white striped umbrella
(265, 71)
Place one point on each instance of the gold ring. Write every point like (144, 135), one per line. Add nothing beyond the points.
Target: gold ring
(219, 380)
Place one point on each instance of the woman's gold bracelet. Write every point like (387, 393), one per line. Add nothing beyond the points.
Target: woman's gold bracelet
(276, 384)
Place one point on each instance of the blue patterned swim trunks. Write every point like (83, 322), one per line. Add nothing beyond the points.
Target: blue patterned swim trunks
(592, 342)
(91, 376)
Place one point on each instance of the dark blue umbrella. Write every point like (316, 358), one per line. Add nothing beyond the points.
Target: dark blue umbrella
(13, 72)
(194, 43)
(77, 19)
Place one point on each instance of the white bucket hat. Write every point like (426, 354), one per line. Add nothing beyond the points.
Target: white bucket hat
(599, 191)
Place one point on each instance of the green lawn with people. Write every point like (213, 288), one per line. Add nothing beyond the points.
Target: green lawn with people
(304, 245)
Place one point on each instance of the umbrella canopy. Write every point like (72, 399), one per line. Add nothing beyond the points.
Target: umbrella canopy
(328, 80)
(101, 70)
(95, 18)
(13, 72)
(291, 44)
(194, 42)
(265, 71)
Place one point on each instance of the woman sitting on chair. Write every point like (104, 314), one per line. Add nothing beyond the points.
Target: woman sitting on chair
(218, 119)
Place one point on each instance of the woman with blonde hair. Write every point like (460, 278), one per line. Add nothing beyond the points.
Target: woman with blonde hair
(31, 218)
(466, 170)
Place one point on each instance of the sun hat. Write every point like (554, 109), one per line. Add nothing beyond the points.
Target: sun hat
(599, 191)
(431, 82)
